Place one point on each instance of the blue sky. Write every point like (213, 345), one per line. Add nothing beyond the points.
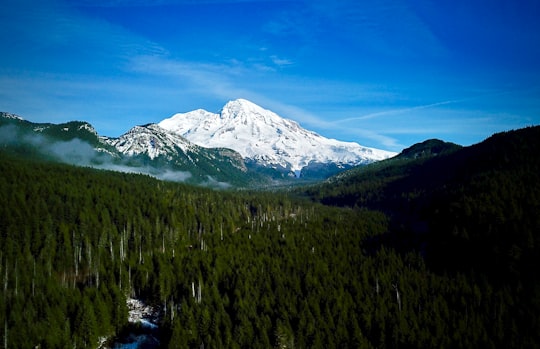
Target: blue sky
(385, 74)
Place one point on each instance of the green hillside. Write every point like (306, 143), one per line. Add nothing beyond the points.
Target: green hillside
(77, 143)
(473, 210)
(464, 201)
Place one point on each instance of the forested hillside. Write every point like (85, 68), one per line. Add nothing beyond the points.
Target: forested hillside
(244, 269)
(472, 210)
(145, 150)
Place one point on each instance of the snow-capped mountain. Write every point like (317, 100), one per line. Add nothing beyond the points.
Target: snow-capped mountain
(266, 138)
(152, 141)
(165, 148)
(242, 145)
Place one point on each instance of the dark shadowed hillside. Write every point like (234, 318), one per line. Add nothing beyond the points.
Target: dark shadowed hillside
(473, 210)
(485, 194)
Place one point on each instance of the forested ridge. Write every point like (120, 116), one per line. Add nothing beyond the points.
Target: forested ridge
(78, 143)
(472, 210)
(240, 269)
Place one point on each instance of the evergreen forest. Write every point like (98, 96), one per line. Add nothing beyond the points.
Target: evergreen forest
(432, 250)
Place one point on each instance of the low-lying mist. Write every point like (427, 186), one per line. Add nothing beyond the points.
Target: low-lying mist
(81, 153)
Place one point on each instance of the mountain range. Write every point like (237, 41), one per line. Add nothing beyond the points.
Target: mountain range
(243, 144)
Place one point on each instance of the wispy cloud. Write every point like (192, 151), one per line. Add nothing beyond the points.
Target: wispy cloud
(310, 120)
(59, 29)
(111, 105)
(215, 79)
(225, 80)
(219, 80)
(381, 139)
(330, 65)
(398, 111)
(281, 61)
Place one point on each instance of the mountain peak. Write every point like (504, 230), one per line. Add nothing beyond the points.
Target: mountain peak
(150, 139)
(242, 105)
(428, 148)
(241, 102)
(246, 112)
(266, 138)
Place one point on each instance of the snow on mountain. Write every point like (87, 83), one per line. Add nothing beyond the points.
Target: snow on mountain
(267, 138)
(155, 142)
(10, 116)
(151, 140)
(86, 126)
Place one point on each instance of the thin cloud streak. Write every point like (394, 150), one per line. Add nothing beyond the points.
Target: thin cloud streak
(399, 111)
(281, 62)
(424, 106)
(217, 80)
(308, 119)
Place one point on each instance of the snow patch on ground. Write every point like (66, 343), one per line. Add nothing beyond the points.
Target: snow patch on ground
(145, 316)
(141, 313)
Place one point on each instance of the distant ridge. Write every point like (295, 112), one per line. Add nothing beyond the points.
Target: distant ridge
(147, 149)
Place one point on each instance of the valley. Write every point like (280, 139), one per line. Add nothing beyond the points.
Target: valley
(436, 247)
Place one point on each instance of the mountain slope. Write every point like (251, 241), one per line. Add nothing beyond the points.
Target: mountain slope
(468, 211)
(152, 141)
(71, 142)
(468, 208)
(163, 148)
(267, 139)
(145, 149)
